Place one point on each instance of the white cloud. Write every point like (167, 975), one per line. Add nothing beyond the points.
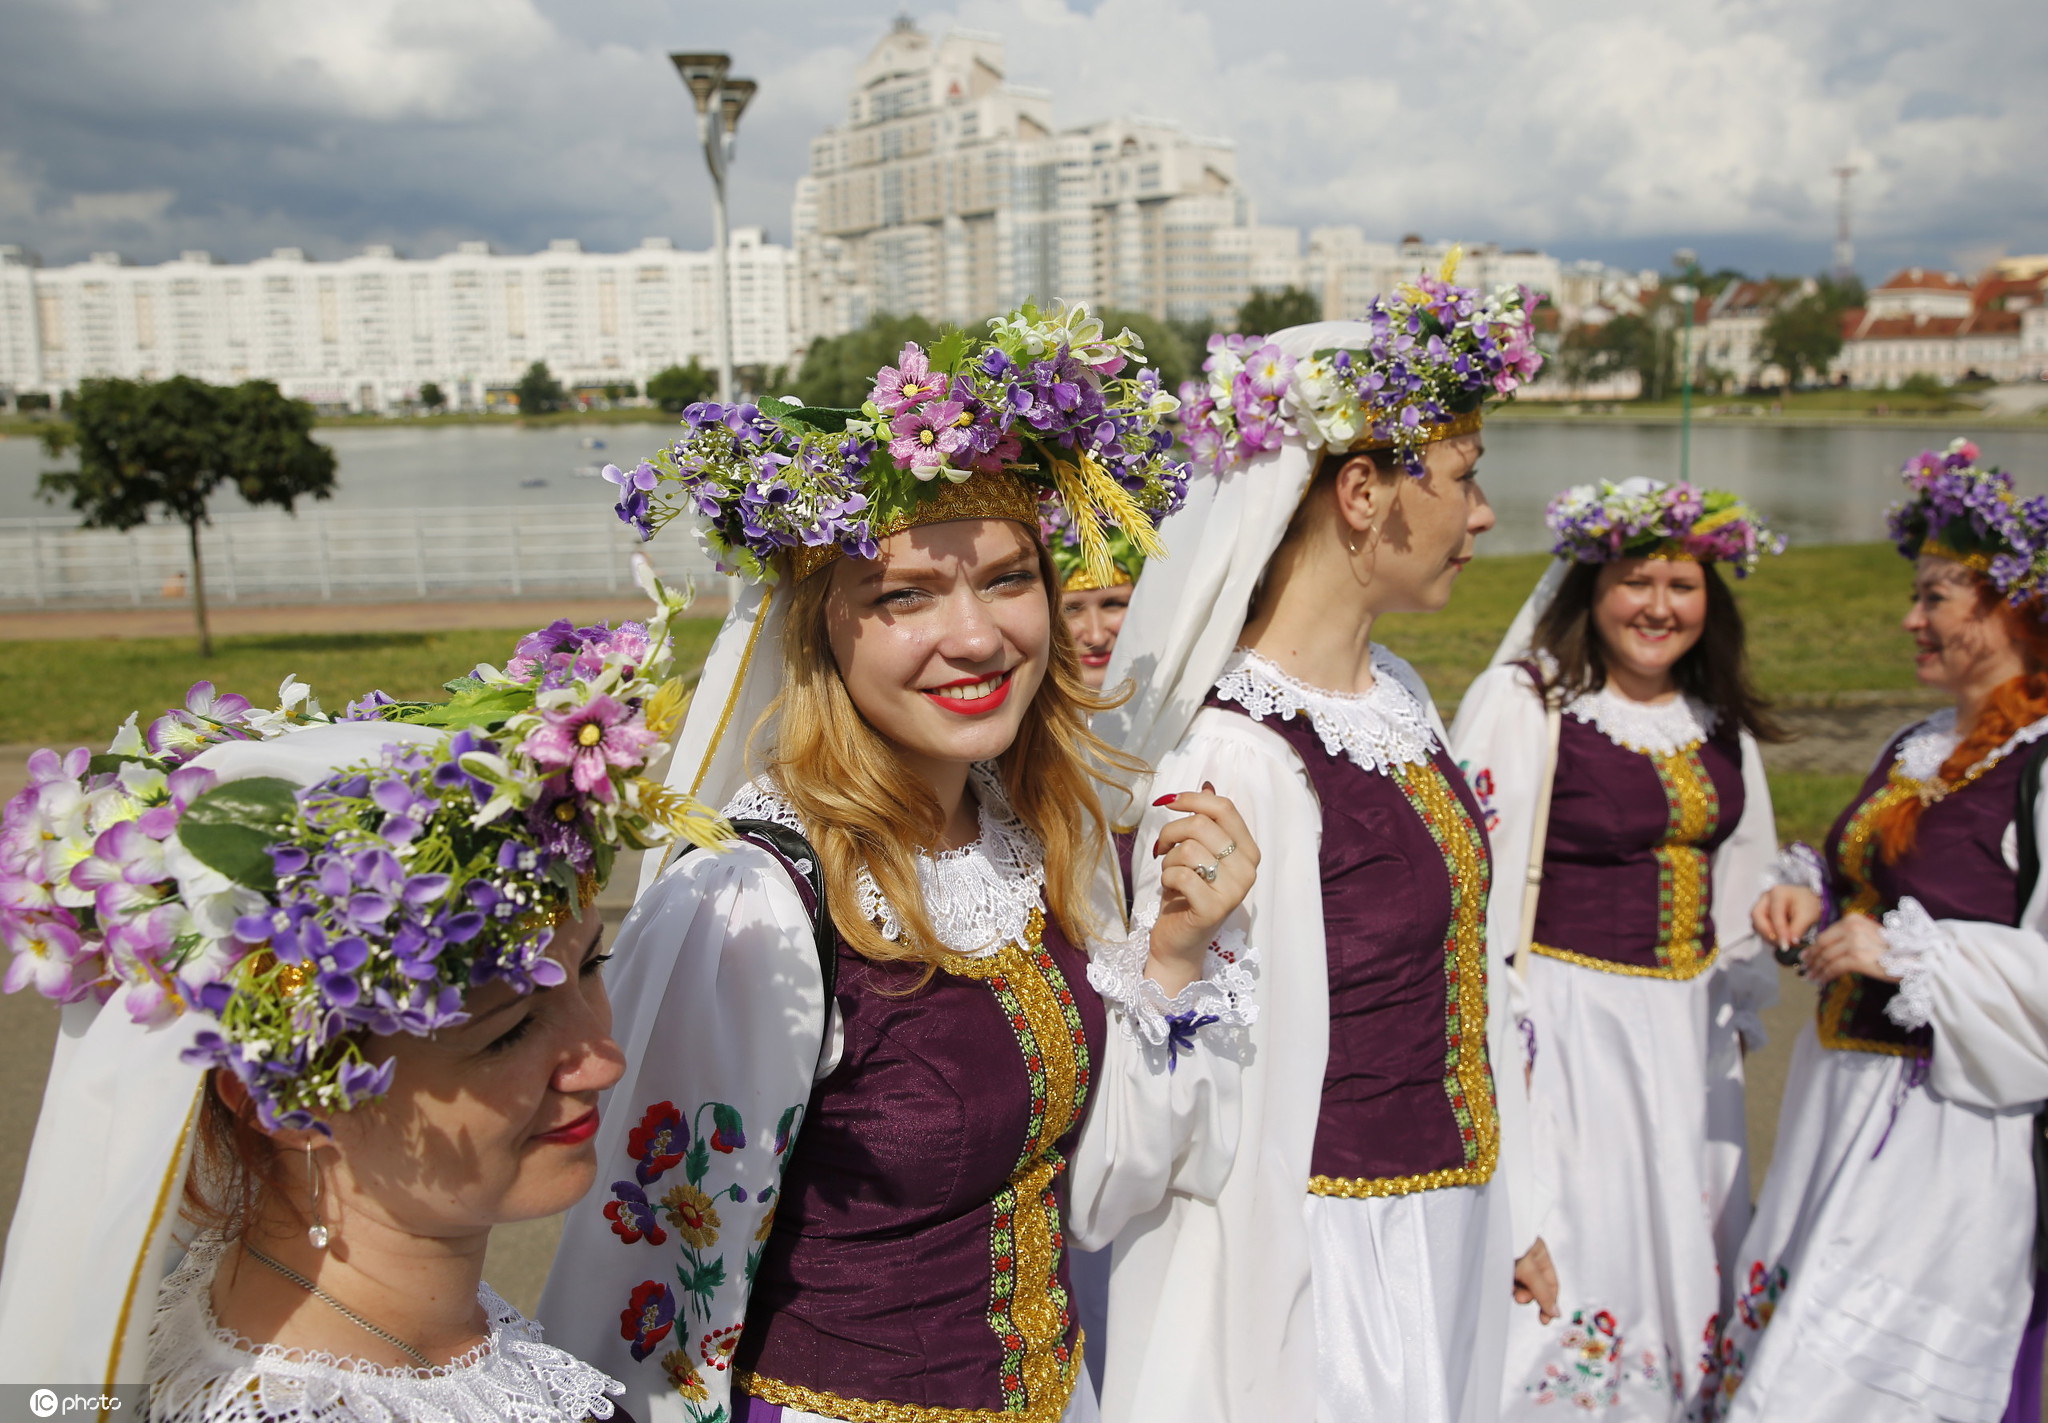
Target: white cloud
(1587, 125)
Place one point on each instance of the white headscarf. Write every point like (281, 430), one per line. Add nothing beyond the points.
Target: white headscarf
(97, 1225)
(1190, 607)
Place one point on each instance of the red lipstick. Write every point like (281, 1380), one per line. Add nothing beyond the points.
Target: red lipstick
(971, 706)
(572, 1133)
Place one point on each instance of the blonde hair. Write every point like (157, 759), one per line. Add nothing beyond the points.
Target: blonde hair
(861, 806)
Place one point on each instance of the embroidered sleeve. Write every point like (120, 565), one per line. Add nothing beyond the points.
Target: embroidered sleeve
(1915, 948)
(1222, 997)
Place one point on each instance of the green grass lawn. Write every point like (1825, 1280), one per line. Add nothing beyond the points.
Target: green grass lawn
(1821, 621)
(71, 693)
(1806, 803)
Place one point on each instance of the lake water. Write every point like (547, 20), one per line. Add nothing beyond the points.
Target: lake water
(1818, 485)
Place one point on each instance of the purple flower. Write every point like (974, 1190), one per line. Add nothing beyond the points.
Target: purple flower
(907, 384)
(927, 438)
(206, 718)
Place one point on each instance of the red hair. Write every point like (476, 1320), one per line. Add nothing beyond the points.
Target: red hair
(2015, 703)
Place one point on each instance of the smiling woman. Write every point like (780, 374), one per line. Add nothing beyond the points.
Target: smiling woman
(333, 1011)
(877, 1029)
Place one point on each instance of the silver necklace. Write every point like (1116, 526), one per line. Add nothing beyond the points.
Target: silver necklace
(338, 1307)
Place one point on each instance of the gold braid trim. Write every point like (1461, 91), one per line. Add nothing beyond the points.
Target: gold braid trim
(1469, 423)
(1082, 581)
(1468, 1079)
(1857, 849)
(1698, 962)
(979, 496)
(1975, 562)
(875, 1410)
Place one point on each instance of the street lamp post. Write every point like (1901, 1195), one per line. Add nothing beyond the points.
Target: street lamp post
(720, 101)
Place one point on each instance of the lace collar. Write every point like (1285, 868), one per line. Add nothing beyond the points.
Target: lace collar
(1380, 729)
(1933, 741)
(978, 897)
(1646, 728)
(202, 1373)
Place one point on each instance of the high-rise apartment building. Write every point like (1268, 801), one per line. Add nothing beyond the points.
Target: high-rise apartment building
(367, 331)
(1347, 270)
(952, 193)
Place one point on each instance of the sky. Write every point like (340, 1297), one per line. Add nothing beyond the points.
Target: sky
(1589, 128)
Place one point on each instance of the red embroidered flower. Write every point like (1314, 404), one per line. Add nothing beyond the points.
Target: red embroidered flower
(648, 1318)
(659, 1142)
(632, 1215)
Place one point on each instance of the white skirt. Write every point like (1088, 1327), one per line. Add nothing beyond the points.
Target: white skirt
(1882, 1285)
(1411, 1296)
(1637, 1119)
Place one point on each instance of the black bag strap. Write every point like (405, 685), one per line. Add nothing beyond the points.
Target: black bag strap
(800, 861)
(2030, 875)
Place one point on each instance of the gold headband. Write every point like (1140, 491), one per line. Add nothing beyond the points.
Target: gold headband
(979, 496)
(1079, 581)
(1975, 562)
(1467, 424)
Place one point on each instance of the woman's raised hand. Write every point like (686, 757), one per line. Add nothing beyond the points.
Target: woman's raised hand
(1784, 914)
(1208, 862)
(1852, 944)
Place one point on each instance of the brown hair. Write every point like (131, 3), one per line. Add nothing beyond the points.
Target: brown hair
(1320, 483)
(1715, 669)
(862, 807)
(235, 1165)
(2015, 703)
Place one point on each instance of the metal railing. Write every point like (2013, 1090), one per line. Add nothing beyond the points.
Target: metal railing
(336, 555)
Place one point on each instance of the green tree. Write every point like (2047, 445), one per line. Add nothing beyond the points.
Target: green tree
(432, 396)
(1166, 349)
(1266, 312)
(538, 392)
(1641, 342)
(838, 370)
(168, 445)
(1803, 335)
(681, 386)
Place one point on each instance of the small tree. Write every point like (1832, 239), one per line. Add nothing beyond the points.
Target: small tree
(1266, 312)
(1803, 334)
(538, 392)
(149, 445)
(432, 396)
(681, 386)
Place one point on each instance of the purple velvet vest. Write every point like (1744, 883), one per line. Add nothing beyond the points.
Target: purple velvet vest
(1628, 861)
(1956, 869)
(1407, 1100)
(918, 1256)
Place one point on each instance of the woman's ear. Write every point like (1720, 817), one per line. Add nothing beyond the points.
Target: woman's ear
(235, 1095)
(1360, 494)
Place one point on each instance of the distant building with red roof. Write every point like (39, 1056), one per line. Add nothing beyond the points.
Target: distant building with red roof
(1923, 322)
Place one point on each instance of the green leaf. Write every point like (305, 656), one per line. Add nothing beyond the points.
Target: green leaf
(696, 1161)
(232, 827)
(108, 761)
(949, 352)
(817, 417)
(484, 705)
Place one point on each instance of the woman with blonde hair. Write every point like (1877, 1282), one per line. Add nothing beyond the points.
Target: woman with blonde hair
(1359, 1261)
(850, 1156)
(1892, 1268)
(333, 1010)
(1614, 746)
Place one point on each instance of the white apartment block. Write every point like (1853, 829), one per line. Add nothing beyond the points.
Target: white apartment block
(1347, 270)
(951, 193)
(365, 333)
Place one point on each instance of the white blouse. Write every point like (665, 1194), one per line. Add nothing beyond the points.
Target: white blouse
(200, 1372)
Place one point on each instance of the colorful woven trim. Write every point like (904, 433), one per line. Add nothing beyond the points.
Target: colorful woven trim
(988, 496)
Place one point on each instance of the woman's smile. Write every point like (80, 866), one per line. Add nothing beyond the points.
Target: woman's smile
(970, 695)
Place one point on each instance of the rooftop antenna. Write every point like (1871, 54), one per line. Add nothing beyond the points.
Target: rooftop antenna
(1845, 246)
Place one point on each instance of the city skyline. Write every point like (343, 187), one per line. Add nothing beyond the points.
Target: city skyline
(520, 121)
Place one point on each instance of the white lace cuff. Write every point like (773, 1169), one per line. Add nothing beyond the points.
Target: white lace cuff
(1222, 998)
(1914, 949)
(1798, 864)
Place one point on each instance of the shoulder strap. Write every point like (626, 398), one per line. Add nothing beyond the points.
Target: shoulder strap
(800, 861)
(1539, 829)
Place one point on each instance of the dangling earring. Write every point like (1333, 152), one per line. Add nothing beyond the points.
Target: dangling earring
(317, 1233)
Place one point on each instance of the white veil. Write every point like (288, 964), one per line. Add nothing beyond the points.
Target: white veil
(1190, 606)
(1521, 633)
(96, 1227)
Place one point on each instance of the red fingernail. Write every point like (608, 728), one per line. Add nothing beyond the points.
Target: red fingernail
(1167, 799)
(1155, 847)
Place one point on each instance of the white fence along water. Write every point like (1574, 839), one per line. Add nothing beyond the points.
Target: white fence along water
(337, 555)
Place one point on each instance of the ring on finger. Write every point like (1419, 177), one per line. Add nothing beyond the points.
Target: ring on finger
(1207, 872)
(1227, 851)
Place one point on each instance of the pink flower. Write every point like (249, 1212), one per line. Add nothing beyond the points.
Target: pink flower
(1266, 371)
(907, 384)
(48, 954)
(926, 438)
(589, 740)
(123, 871)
